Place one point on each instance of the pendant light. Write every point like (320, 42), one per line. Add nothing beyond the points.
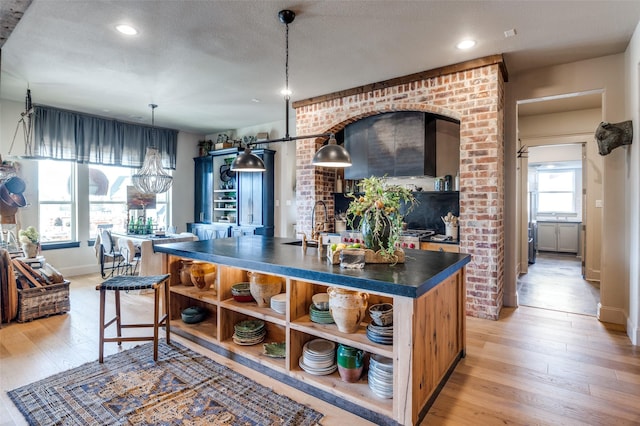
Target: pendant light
(152, 178)
(330, 155)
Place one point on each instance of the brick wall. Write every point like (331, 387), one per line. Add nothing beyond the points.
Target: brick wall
(475, 98)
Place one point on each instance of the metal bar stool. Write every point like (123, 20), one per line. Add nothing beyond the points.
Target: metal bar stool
(126, 282)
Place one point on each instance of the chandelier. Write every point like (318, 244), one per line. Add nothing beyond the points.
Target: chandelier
(152, 178)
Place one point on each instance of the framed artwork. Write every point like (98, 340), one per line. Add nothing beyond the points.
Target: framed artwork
(137, 200)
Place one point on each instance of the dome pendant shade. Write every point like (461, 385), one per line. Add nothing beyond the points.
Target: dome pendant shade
(332, 155)
(152, 178)
(248, 162)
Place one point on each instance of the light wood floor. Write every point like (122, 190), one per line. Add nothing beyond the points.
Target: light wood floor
(555, 282)
(533, 366)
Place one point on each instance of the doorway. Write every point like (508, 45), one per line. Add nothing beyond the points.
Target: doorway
(555, 212)
(556, 135)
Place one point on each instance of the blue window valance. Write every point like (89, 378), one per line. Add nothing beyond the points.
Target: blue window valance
(67, 135)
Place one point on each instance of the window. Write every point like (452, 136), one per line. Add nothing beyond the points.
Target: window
(557, 191)
(64, 201)
(56, 194)
(108, 200)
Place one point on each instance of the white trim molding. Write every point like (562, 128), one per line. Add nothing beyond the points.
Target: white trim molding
(612, 315)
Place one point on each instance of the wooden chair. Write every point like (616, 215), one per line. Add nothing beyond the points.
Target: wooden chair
(159, 284)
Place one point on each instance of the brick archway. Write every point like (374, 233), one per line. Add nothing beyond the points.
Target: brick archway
(475, 98)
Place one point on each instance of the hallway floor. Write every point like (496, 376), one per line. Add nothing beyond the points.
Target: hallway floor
(555, 282)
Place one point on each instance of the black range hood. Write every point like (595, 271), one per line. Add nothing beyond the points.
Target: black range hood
(398, 144)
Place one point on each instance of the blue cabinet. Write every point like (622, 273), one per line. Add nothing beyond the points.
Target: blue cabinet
(244, 200)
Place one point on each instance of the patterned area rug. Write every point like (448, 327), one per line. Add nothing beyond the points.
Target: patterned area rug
(182, 388)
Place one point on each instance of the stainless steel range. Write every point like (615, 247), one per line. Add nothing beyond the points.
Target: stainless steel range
(411, 237)
(408, 239)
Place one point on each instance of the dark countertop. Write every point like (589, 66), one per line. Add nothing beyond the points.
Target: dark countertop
(421, 271)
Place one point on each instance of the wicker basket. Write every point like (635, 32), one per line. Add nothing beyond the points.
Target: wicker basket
(43, 301)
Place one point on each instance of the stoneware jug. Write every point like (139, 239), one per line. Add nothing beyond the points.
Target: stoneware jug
(203, 275)
(263, 287)
(185, 272)
(347, 308)
(350, 363)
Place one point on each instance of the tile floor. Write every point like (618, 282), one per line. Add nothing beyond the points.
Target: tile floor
(555, 282)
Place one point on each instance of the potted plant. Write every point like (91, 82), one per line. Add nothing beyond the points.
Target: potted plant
(29, 238)
(378, 208)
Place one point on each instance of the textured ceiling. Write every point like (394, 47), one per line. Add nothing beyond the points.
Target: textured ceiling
(203, 62)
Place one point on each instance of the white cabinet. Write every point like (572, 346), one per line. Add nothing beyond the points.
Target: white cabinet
(568, 236)
(558, 236)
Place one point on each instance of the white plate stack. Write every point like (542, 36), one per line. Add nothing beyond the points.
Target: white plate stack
(319, 357)
(381, 376)
(279, 303)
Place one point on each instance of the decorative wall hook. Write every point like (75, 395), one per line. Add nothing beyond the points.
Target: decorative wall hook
(523, 152)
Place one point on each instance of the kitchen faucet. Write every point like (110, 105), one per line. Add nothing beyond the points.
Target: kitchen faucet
(314, 228)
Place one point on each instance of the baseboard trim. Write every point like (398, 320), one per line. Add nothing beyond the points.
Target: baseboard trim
(80, 270)
(633, 332)
(612, 315)
(510, 300)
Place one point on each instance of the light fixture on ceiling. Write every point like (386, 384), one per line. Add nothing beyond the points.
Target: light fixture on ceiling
(126, 29)
(152, 178)
(329, 155)
(25, 121)
(466, 44)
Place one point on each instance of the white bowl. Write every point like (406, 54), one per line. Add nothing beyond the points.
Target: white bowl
(321, 301)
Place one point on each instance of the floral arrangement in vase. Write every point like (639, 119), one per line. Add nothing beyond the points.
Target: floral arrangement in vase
(378, 207)
(29, 238)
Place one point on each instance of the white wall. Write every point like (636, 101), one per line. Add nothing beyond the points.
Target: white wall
(606, 74)
(632, 185)
(82, 260)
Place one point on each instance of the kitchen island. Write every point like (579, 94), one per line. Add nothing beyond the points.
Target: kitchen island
(427, 291)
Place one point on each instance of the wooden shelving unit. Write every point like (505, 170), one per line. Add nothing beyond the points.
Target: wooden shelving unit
(419, 366)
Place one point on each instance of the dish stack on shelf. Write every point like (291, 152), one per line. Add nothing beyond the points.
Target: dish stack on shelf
(381, 328)
(321, 317)
(382, 334)
(241, 292)
(249, 332)
(319, 357)
(279, 303)
(381, 376)
(319, 309)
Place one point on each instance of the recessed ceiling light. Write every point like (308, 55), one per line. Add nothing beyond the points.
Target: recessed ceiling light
(126, 29)
(466, 44)
(256, 100)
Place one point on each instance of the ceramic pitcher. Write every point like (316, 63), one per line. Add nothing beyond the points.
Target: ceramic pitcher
(347, 308)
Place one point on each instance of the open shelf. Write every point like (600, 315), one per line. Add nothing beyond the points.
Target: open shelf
(256, 353)
(208, 296)
(252, 309)
(358, 392)
(205, 330)
(358, 339)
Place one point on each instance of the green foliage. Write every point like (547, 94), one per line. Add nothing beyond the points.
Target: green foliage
(380, 204)
(29, 235)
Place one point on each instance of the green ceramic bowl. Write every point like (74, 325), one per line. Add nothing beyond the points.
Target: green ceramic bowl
(194, 315)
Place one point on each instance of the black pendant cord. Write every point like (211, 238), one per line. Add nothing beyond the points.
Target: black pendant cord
(287, 95)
